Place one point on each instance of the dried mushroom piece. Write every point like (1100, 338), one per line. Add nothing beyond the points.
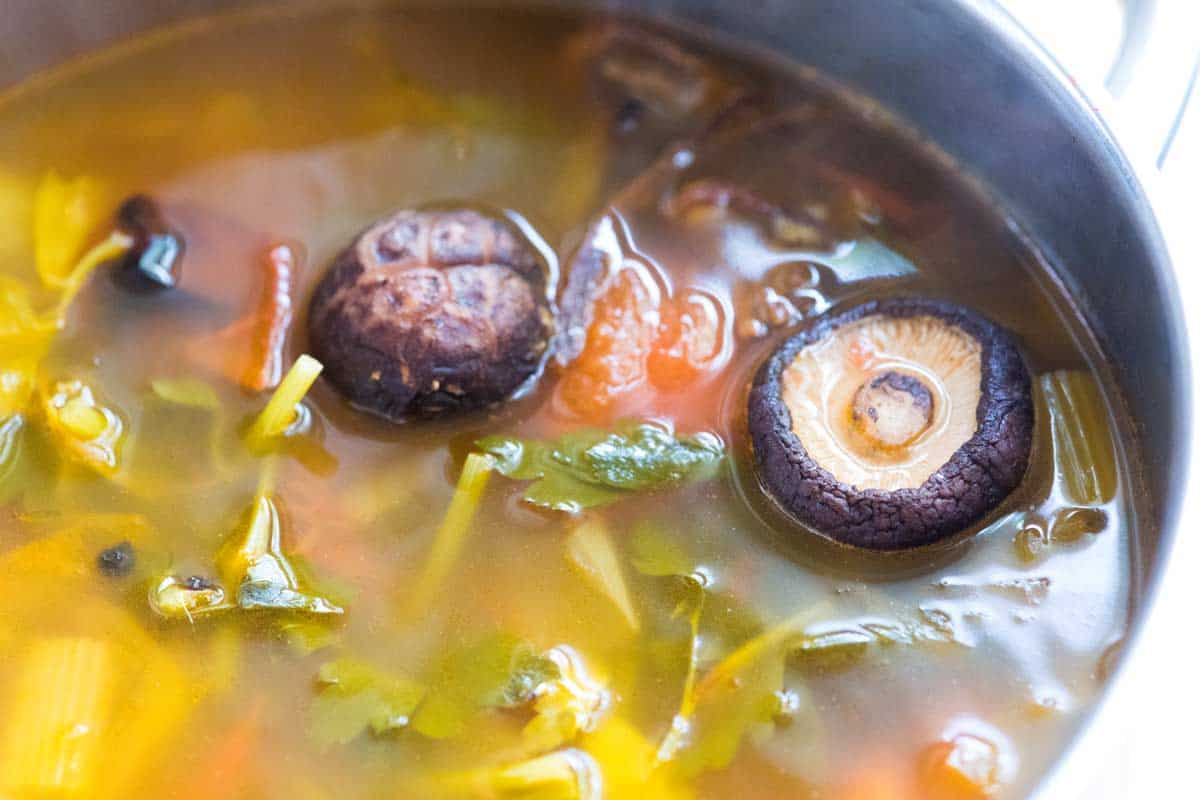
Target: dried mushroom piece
(430, 312)
(893, 424)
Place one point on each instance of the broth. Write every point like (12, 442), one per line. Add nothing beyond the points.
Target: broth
(301, 130)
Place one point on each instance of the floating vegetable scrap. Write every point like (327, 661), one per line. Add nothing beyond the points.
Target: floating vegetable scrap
(65, 214)
(73, 700)
(590, 467)
(498, 672)
(265, 579)
(88, 431)
(495, 671)
(250, 351)
(188, 597)
(252, 562)
(355, 696)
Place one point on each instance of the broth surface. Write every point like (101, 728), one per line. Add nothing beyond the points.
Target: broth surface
(303, 130)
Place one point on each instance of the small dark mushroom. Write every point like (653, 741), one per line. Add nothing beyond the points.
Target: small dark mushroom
(429, 312)
(156, 257)
(893, 424)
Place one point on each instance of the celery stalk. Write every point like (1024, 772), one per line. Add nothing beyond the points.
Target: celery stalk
(590, 550)
(57, 726)
(280, 410)
(114, 245)
(450, 537)
(1084, 454)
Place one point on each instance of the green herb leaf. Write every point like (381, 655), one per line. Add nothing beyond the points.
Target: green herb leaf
(498, 671)
(271, 594)
(590, 467)
(191, 392)
(355, 697)
(727, 714)
(306, 635)
(655, 552)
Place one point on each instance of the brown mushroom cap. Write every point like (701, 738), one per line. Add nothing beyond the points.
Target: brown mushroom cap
(431, 311)
(893, 424)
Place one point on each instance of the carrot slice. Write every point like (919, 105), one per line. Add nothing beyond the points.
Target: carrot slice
(250, 351)
(273, 319)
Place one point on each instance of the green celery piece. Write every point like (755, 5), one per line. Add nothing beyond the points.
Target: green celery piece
(191, 392)
(1084, 454)
(490, 673)
(306, 635)
(451, 535)
(355, 696)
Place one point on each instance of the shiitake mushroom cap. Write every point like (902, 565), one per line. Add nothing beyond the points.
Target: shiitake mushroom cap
(430, 312)
(977, 476)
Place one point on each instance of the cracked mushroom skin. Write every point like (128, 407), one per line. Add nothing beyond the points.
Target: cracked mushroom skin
(894, 424)
(431, 312)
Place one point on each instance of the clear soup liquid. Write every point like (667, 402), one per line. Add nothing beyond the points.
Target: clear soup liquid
(711, 648)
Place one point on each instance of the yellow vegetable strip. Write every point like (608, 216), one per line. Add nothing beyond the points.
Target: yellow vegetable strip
(113, 246)
(56, 730)
(590, 549)
(450, 537)
(64, 213)
(280, 411)
(688, 704)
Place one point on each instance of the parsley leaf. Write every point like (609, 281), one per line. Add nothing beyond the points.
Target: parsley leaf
(591, 467)
(355, 697)
(497, 671)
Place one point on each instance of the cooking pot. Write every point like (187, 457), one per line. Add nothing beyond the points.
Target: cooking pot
(973, 82)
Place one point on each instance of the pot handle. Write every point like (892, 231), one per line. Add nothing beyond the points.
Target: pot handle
(1154, 76)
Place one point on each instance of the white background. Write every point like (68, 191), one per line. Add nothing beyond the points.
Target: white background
(1155, 753)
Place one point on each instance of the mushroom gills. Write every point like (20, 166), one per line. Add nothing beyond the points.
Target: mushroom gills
(893, 424)
(883, 402)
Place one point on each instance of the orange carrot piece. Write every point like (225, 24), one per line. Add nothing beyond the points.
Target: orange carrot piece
(272, 321)
(250, 351)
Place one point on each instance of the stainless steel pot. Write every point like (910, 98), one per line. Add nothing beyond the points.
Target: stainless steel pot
(968, 77)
